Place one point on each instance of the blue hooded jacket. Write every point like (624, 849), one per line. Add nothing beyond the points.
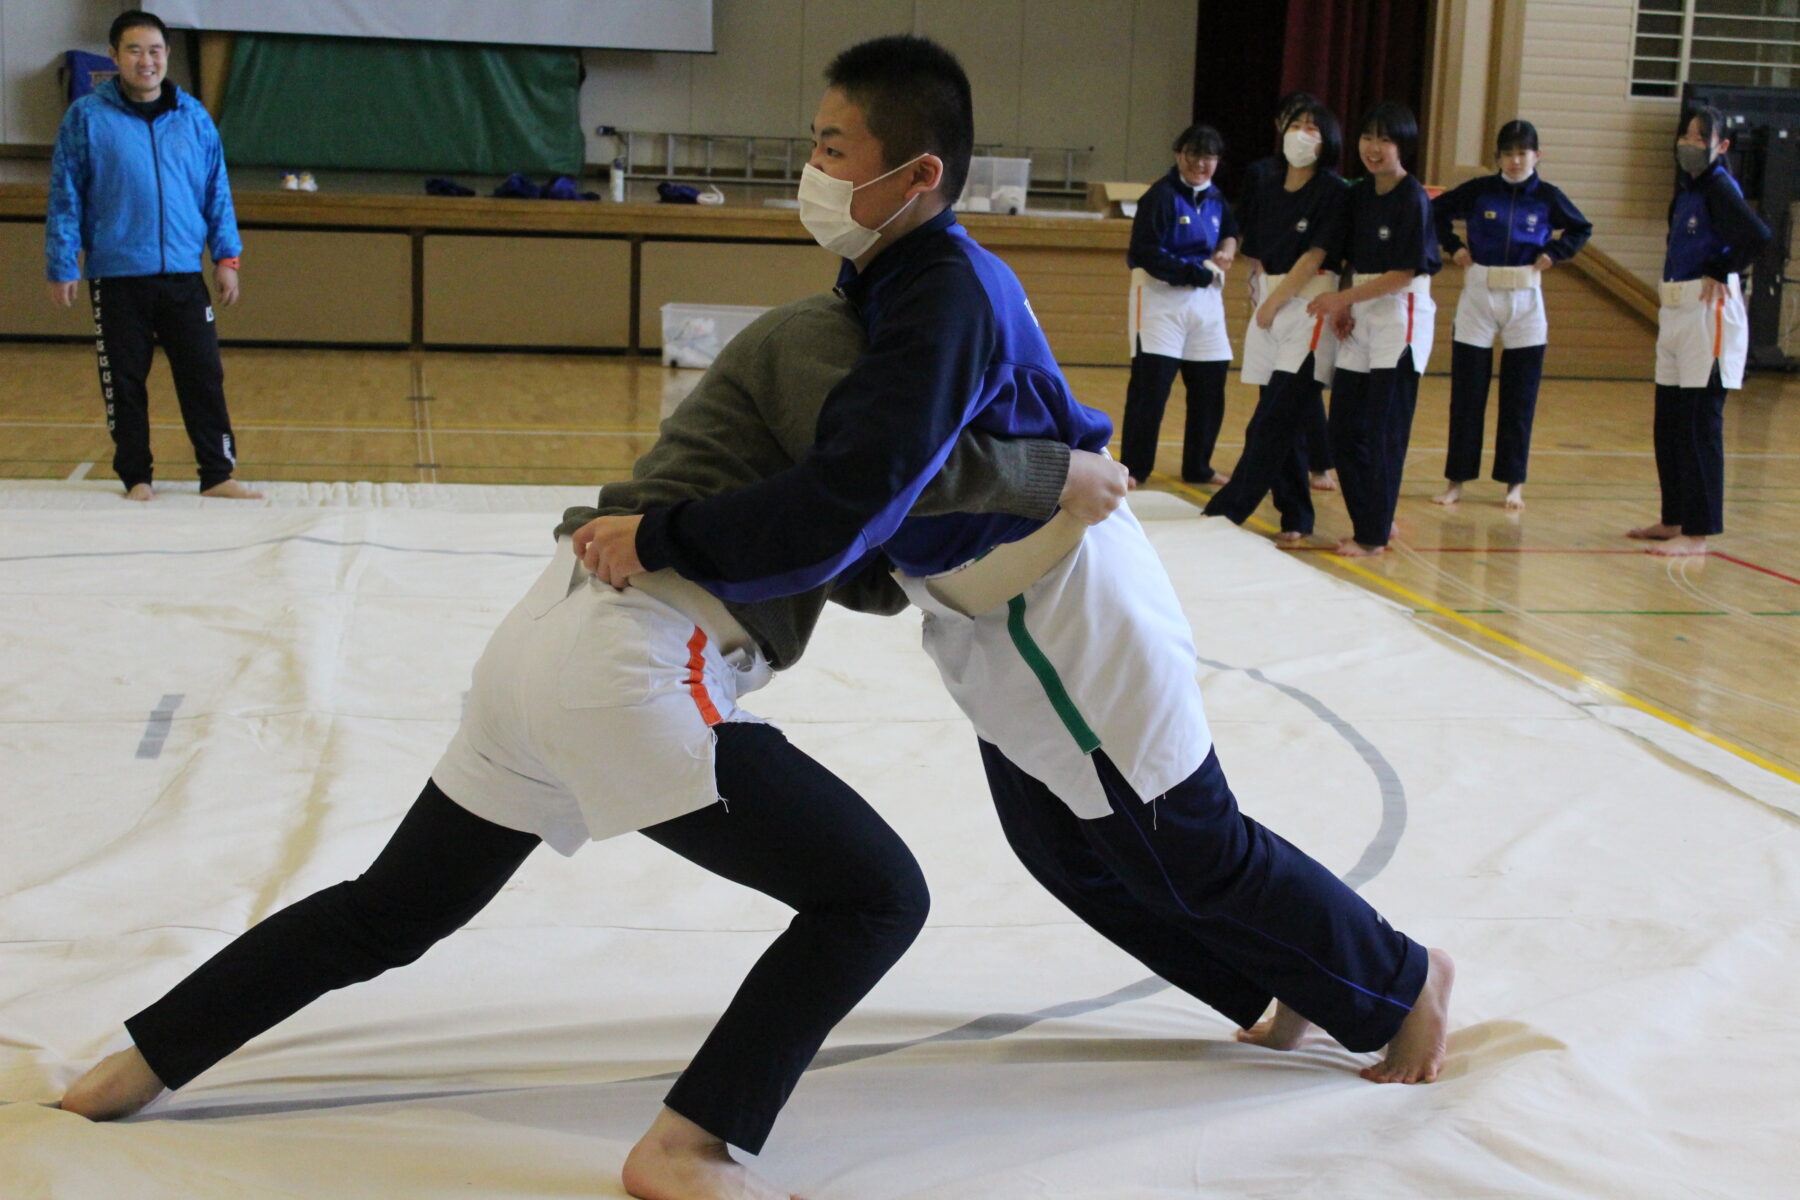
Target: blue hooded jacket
(140, 197)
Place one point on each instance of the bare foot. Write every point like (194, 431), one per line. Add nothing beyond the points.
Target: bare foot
(1283, 1031)
(1678, 547)
(1515, 498)
(1449, 495)
(116, 1086)
(1654, 533)
(1324, 481)
(140, 492)
(1289, 537)
(1416, 1054)
(231, 489)
(1351, 548)
(1394, 530)
(678, 1160)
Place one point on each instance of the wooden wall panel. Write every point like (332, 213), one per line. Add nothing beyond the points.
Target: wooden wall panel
(1609, 151)
(512, 291)
(25, 308)
(727, 273)
(305, 286)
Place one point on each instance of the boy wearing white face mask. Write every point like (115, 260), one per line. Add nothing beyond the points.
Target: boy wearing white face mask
(1702, 334)
(1519, 227)
(952, 343)
(1183, 240)
(1070, 655)
(1293, 226)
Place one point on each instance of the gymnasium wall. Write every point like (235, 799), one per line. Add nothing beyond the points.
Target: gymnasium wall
(1117, 75)
(1608, 148)
(1563, 65)
(33, 36)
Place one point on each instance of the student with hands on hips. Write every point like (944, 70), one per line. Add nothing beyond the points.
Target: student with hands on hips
(1702, 334)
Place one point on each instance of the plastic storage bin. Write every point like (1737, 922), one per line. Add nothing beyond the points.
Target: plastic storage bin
(996, 185)
(693, 334)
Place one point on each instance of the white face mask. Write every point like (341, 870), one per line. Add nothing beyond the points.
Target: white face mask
(1300, 147)
(825, 211)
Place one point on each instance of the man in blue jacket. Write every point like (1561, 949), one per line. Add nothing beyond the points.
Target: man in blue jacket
(138, 184)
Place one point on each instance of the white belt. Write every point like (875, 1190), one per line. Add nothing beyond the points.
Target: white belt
(1141, 277)
(1007, 570)
(1420, 285)
(1499, 279)
(697, 605)
(1318, 285)
(1687, 291)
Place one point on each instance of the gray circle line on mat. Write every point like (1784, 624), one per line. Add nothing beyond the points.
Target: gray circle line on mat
(1375, 857)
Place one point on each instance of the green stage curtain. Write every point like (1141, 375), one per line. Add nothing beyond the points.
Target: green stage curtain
(446, 107)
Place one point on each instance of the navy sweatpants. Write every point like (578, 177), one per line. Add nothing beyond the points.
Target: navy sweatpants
(1213, 902)
(1371, 426)
(1146, 396)
(1689, 436)
(1275, 458)
(788, 828)
(1471, 370)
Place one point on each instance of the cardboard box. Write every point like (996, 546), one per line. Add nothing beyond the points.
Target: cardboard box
(1116, 199)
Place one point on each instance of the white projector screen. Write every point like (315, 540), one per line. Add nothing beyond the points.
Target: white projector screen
(597, 24)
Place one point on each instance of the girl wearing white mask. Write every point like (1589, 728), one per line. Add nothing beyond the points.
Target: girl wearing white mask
(1183, 240)
(1702, 333)
(1293, 226)
(1518, 227)
(1270, 172)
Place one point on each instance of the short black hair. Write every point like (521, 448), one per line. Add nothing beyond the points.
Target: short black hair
(1395, 122)
(1516, 135)
(1712, 121)
(1331, 138)
(1288, 105)
(135, 19)
(915, 97)
(1202, 141)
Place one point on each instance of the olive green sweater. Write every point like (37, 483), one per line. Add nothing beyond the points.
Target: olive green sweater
(754, 414)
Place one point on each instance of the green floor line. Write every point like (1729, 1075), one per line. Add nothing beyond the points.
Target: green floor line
(1621, 612)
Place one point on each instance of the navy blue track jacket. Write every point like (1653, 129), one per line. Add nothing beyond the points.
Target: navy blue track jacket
(952, 343)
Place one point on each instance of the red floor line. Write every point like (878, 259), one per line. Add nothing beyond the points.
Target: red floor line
(1730, 558)
(1740, 562)
(1518, 550)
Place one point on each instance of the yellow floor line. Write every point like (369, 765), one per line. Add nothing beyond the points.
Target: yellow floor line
(1518, 647)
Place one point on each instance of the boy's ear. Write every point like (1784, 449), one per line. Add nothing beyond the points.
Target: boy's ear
(929, 170)
(1724, 145)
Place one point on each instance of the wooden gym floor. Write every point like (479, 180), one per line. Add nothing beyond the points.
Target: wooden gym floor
(1710, 644)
